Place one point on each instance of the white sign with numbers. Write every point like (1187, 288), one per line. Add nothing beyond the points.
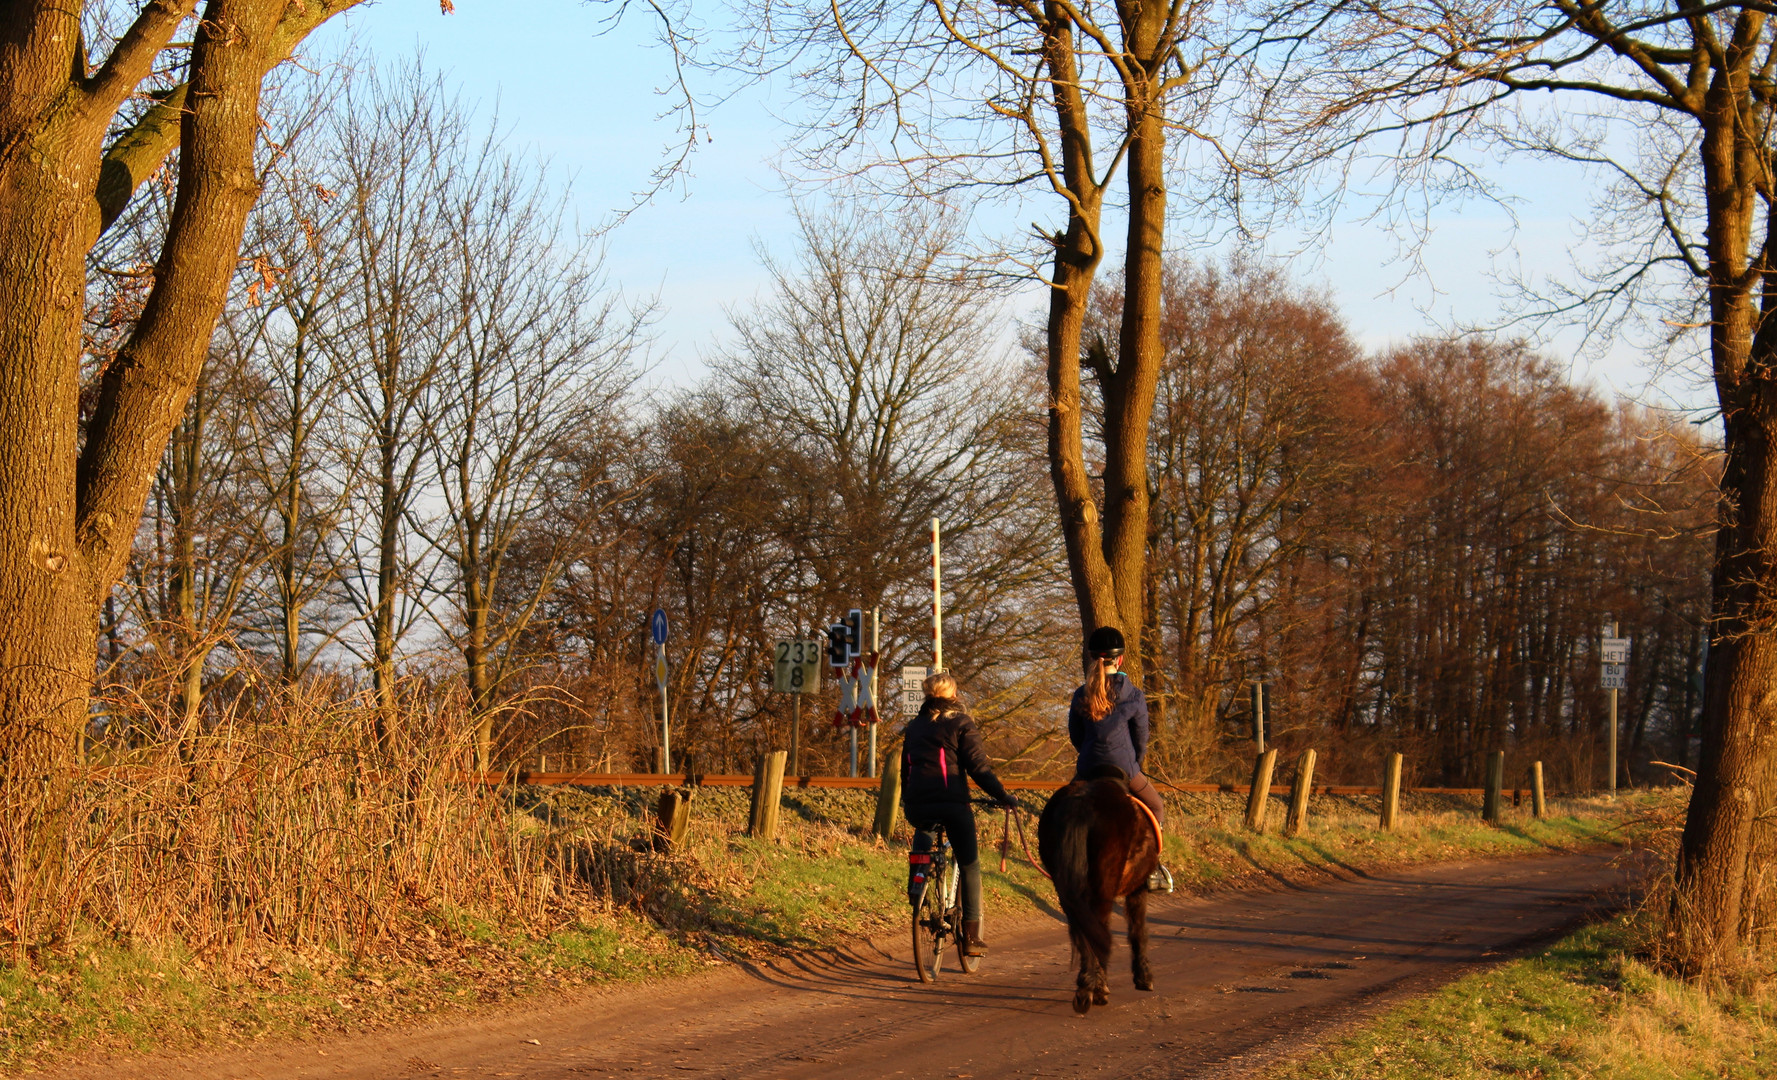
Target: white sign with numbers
(913, 693)
(798, 667)
(1614, 650)
(1614, 677)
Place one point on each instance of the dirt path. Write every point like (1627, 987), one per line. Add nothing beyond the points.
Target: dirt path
(1238, 979)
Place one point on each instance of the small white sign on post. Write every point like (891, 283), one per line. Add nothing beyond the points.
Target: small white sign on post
(797, 667)
(1614, 650)
(913, 693)
(1614, 677)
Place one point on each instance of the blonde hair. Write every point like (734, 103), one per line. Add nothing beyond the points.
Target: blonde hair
(1098, 689)
(941, 684)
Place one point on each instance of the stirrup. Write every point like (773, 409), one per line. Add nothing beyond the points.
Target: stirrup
(1160, 880)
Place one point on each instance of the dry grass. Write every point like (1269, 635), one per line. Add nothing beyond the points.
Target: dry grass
(287, 832)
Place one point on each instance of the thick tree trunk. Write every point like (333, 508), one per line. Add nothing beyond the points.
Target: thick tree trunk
(1129, 391)
(69, 506)
(1733, 786)
(1078, 252)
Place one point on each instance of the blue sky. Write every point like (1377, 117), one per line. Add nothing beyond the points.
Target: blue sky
(584, 95)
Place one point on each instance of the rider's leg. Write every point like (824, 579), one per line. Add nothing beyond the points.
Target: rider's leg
(963, 843)
(925, 828)
(1143, 788)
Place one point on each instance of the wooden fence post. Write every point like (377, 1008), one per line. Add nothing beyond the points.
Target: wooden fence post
(1496, 775)
(774, 792)
(768, 788)
(888, 797)
(672, 813)
(1537, 806)
(1258, 796)
(1299, 794)
(1391, 792)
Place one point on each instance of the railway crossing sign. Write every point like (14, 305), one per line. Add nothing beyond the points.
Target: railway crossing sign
(797, 668)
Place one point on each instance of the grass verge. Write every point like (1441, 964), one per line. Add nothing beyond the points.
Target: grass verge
(1582, 1008)
(623, 912)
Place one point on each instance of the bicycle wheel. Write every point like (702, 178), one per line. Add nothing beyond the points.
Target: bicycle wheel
(928, 934)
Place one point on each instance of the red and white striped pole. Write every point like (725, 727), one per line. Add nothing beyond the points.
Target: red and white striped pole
(937, 606)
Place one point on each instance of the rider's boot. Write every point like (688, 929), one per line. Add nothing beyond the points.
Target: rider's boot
(972, 943)
(1160, 880)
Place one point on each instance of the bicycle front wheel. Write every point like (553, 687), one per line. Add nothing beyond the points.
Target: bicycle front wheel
(928, 934)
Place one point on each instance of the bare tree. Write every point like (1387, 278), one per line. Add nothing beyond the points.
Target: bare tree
(542, 360)
(1081, 99)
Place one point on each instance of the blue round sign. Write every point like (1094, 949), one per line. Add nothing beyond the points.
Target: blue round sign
(658, 625)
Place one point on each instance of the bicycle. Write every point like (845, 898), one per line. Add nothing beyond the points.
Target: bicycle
(938, 910)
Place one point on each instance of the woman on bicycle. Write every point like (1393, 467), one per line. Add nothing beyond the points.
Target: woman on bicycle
(940, 747)
(1108, 725)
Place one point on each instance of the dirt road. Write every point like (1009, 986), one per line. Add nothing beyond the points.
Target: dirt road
(1237, 980)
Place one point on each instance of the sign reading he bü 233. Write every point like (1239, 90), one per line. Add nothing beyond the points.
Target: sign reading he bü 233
(798, 667)
(1614, 650)
(1614, 677)
(913, 693)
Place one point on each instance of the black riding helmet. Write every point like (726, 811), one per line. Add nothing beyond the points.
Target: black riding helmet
(1105, 643)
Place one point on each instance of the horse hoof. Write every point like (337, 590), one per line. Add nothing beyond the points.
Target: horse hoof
(1144, 984)
(1100, 997)
(1082, 1002)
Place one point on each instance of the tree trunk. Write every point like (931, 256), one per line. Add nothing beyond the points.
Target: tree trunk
(1733, 785)
(1129, 391)
(1078, 251)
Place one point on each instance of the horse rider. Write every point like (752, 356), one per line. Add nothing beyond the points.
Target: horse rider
(940, 746)
(1108, 724)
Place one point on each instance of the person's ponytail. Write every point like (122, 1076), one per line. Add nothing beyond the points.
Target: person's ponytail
(1098, 691)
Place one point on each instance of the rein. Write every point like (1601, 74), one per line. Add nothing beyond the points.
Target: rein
(1006, 843)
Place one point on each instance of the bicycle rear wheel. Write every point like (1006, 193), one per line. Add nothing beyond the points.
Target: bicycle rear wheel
(928, 934)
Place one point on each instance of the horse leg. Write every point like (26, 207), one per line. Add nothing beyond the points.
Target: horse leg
(1101, 983)
(1135, 913)
(1082, 964)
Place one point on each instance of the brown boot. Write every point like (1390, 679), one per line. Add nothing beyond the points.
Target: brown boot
(972, 943)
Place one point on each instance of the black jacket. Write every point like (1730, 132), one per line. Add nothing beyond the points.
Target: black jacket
(940, 746)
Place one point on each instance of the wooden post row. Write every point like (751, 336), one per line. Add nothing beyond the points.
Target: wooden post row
(768, 789)
(1258, 796)
(1496, 774)
(1391, 792)
(888, 797)
(1299, 794)
(1537, 806)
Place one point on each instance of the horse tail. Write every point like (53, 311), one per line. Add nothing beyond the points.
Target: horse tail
(1074, 879)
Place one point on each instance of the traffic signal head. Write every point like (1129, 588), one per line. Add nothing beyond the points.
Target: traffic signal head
(854, 632)
(836, 645)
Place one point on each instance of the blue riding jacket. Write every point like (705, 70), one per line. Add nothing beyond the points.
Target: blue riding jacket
(1121, 738)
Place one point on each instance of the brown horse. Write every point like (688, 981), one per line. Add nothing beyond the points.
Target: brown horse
(1099, 844)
